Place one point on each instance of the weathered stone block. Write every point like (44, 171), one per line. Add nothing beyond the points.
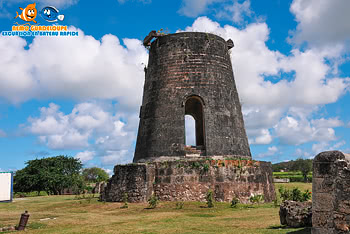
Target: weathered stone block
(296, 214)
(324, 201)
(322, 219)
(331, 193)
(323, 185)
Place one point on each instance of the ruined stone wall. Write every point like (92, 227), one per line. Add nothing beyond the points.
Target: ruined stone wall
(331, 193)
(134, 179)
(190, 180)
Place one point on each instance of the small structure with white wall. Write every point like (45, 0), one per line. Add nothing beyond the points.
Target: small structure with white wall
(6, 186)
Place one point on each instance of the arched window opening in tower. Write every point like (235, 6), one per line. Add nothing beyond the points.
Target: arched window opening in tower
(190, 130)
(194, 108)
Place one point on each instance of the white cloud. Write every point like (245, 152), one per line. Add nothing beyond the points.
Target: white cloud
(85, 156)
(321, 21)
(300, 153)
(338, 145)
(319, 147)
(325, 123)
(235, 11)
(115, 157)
(109, 171)
(89, 124)
(310, 85)
(278, 91)
(295, 131)
(259, 136)
(271, 151)
(276, 84)
(82, 68)
(193, 8)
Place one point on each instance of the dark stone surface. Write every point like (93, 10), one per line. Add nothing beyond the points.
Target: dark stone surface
(331, 193)
(190, 180)
(183, 66)
(329, 156)
(296, 214)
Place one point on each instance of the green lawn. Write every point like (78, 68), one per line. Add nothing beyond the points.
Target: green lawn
(292, 175)
(69, 215)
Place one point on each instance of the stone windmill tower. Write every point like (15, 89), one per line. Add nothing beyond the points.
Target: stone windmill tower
(190, 73)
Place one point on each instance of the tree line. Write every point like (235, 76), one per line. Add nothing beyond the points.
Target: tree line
(55, 174)
(300, 164)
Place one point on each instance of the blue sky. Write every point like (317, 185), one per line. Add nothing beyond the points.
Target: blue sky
(80, 96)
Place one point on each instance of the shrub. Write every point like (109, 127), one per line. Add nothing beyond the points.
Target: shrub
(306, 195)
(179, 205)
(256, 198)
(205, 167)
(153, 201)
(125, 200)
(234, 202)
(294, 195)
(209, 198)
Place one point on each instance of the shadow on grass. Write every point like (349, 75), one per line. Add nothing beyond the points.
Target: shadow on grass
(306, 230)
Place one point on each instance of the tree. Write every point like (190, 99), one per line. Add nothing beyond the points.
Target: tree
(303, 165)
(53, 175)
(95, 174)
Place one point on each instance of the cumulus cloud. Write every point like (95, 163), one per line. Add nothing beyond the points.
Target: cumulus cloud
(259, 136)
(275, 84)
(325, 146)
(277, 91)
(114, 157)
(193, 8)
(109, 171)
(310, 84)
(321, 21)
(271, 151)
(294, 130)
(235, 11)
(81, 68)
(231, 10)
(301, 153)
(85, 156)
(88, 125)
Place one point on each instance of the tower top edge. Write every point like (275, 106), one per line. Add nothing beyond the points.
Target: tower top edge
(153, 34)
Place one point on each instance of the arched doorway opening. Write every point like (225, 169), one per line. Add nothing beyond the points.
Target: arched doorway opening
(190, 130)
(194, 108)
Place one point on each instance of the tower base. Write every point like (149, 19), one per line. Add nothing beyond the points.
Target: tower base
(190, 180)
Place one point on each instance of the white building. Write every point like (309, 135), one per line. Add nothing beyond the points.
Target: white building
(6, 186)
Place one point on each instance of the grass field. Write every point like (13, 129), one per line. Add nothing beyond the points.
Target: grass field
(292, 175)
(69, 215)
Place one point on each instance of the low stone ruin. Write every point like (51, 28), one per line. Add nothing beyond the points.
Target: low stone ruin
(190, 180)
(296, 214)
(331, 193)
